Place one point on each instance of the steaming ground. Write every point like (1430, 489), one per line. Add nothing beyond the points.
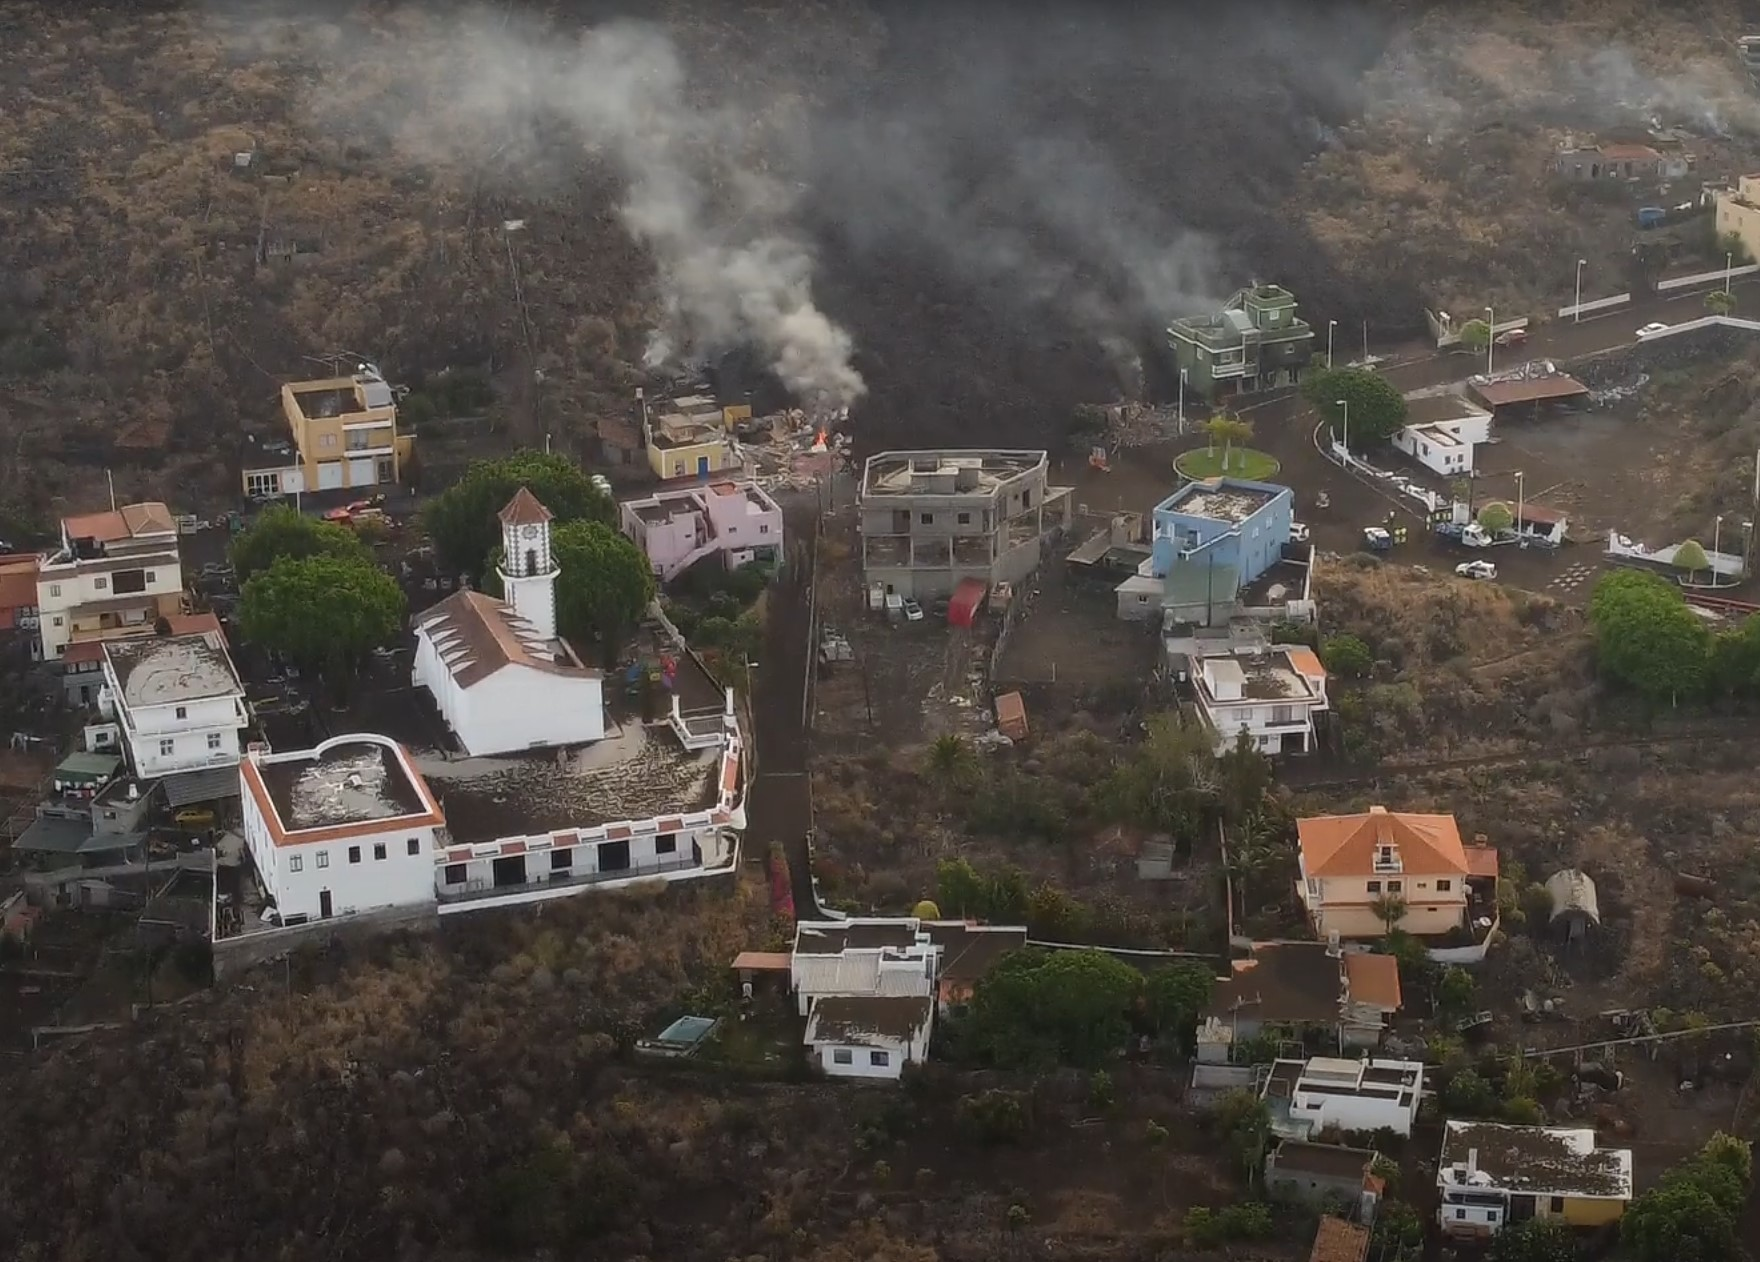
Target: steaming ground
(962, 219)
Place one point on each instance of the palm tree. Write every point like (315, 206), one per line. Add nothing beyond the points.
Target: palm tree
(1389, 909)
(950, 761)
(1228, 430)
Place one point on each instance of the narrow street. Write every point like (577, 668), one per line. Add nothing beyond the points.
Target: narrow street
(780, 805)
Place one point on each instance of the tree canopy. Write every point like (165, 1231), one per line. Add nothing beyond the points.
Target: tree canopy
(1377, 410)
(1475, 335)
(1720, 302)
(1690, 556)
(1647, 639)
(283, 531)
(1496, 516)
(1693, 1213)
(605, 582)
(1535, 1240)
(462, 520)
(1347, 655)
(326, 613)
(1044, 1008)
(1174, 998)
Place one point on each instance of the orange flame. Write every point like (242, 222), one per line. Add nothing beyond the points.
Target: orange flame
(819, 437)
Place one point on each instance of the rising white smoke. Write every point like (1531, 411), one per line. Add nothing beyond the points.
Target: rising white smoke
(732, 268)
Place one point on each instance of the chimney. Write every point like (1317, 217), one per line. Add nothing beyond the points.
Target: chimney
(1481, 840)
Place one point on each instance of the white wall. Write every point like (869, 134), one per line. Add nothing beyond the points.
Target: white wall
(1471, 1218)
(1351, 1113)
(825, 1054)
(516, 708)
(399, 879)
(644, 855)
(148, 727)
(63, 588)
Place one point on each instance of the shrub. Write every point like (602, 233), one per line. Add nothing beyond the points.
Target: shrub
(993, 1117)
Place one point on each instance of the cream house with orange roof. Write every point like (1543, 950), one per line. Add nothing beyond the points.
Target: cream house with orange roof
(1350, 863)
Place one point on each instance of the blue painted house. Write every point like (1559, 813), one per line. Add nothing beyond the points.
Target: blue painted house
(1222, 525)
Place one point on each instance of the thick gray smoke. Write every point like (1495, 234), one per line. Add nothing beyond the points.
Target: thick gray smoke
(732, 268)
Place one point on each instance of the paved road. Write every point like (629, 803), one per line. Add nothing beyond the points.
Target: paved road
(780, 807)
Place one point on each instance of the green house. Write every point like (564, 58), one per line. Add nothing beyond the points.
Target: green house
(1256, 342)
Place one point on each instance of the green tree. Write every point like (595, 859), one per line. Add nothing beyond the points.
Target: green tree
(1455, 991)
(1735, 659)
(1377, 409)
(326, 613)
(1469, 1095)
(1475, 335)
(281, 531)
(1243, 1123)
(1496, 516)
(1646, 638)
(1227, 430)
(1535, 1240)
(1720, 302)
(1389, 909)
(1690, 556)
(959, 888)
(949, 762)
(1346, 655)
(1040, 1009)
(1174, 997)
(1694, 1211)
(462, 520)
(604, 586)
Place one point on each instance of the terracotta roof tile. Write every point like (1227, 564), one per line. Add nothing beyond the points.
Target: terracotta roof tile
(524, 510)
(1373, 979)
(1345, 845)
(477, 635)
(1306, 662)
(1339, 1241)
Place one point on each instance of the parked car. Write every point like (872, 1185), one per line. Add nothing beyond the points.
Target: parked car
(1298, 532)
(913, 612)
(194, 817)
(1514, 337)
(1476, 569)
(1648, 329)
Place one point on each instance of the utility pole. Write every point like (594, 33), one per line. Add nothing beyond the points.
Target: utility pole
(1577, 313)
(1330, 326)
(1490, 337)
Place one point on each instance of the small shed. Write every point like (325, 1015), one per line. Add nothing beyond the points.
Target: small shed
(1575, 909)
(1011, 716)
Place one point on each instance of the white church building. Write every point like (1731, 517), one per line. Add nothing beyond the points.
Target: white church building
(500, 676)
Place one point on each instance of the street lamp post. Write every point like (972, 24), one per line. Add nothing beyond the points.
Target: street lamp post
(1729, 264)
(1518, 521)
(1346, 441)
(1716, 546)
(1577, 316)
(1490, 337)
(1330, 326)
(1182, 400)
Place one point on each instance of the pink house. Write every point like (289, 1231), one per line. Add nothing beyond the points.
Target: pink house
(678, 528)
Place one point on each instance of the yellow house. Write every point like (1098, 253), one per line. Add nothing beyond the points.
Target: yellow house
(1490, 1175)
(692, 439)
(1354, 866)
(342, 434)
(1738, 213)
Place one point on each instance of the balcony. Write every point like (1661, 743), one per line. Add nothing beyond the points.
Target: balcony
(483, 889)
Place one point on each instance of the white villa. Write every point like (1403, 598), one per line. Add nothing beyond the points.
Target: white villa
(181, 709)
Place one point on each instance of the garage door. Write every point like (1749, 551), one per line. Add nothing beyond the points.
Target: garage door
(330, 476)
(360, 472)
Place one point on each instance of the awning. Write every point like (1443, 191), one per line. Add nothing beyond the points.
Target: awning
(54, 834)
(191, 787)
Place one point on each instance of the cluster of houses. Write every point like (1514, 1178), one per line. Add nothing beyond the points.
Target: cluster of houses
(510, 776)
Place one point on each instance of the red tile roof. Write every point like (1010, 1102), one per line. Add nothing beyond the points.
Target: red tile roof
(524, 510)
(1345, 845)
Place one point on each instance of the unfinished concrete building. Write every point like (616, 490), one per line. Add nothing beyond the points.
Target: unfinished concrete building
(932, 518)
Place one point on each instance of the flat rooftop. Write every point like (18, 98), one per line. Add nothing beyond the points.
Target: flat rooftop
(349, 782)
(635, 773)
(1538, 388)
(953, 471)
(1541, 1160)
(1220, 499)
(171, 669)
(1430, 409)
(321, 400)
(1264, 677)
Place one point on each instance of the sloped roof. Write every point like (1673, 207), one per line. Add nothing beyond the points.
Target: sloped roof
(524, 510)
(1339, 1241)
(1373, 979)
(868, 1021)
(1572, 890)
(477, 635)
(149, 518)
(1344, 845)
(1298, 983)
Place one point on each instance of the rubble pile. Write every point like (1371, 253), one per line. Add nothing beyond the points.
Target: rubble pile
(791, 450)
(1141, 425)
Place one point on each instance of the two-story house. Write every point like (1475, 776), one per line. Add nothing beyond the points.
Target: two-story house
(114, 575)
(181, 708)
(1355, 869)
(1215, 537)
(736, 521)
(343, 436)
(1275, 696)
(1256, 342)
(691, 436)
